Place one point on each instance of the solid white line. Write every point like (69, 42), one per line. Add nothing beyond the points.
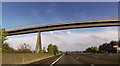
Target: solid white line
(56, 60)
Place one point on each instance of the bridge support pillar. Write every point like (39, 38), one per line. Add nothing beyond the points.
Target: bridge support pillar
(38, 43)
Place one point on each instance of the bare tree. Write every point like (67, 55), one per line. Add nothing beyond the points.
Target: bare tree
(24, 48)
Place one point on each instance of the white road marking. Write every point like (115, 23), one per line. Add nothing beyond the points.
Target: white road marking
(92, 64)
(77, 57)
(56, 60)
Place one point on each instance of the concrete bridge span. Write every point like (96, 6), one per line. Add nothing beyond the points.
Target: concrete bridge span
(39, 29)
(86, 24)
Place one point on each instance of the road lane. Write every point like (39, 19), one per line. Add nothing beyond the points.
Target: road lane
(88, 60)
(96, 59)
(67, 59)
(80, 60)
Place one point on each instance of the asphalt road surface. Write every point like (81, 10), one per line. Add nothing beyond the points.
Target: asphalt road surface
(89, 60)
(78, 59)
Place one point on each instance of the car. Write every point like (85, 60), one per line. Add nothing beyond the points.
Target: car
(66, 53)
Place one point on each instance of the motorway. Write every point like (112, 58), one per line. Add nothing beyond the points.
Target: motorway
(78, 59)
(88, 59)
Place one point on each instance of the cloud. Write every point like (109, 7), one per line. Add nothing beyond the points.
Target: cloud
(68, 32)
(68, 40)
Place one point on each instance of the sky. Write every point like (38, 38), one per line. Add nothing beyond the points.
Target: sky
(60, 1)
(21, 13)
(28, 12)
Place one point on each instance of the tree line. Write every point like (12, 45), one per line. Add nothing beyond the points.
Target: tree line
(104, 48)
(53, 49)
(23, 48)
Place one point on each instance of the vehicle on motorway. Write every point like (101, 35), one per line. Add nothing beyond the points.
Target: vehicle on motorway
(67, 53)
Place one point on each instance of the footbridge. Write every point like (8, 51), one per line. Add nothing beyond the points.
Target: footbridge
(60, 25)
